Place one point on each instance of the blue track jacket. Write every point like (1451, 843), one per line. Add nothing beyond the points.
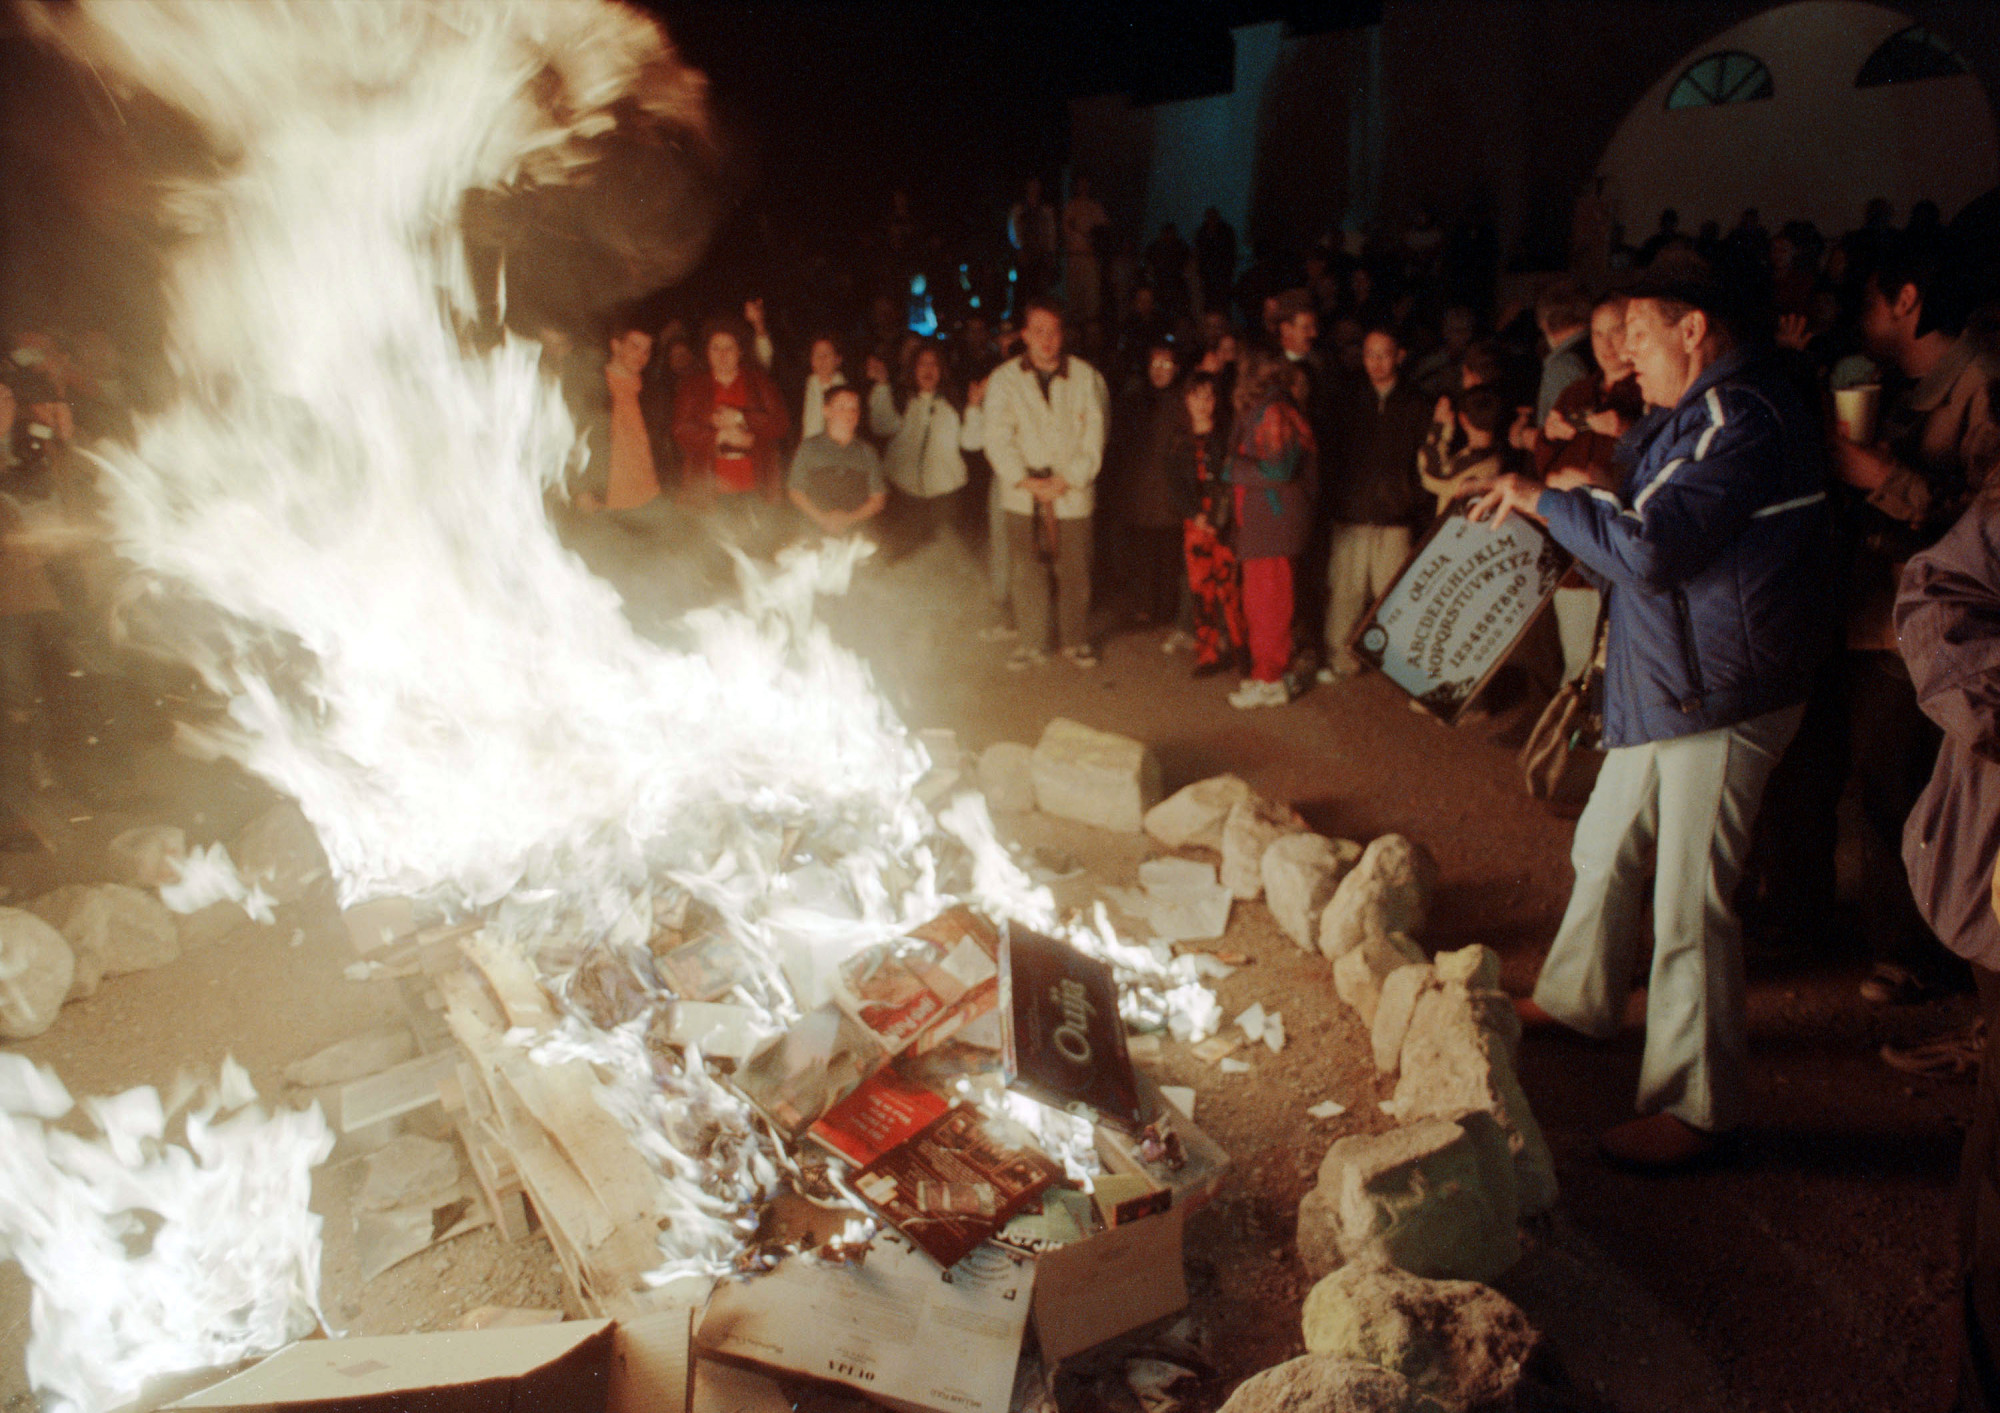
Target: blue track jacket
(1714, 556)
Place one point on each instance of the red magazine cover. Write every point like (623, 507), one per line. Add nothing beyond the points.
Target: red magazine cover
(886, 1110)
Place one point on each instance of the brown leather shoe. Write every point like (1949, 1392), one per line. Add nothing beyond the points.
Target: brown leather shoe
(1657, 1143)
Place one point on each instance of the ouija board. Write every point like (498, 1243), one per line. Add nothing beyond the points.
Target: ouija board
(1459, 606)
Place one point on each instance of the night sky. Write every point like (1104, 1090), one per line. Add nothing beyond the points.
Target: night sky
(837, 104)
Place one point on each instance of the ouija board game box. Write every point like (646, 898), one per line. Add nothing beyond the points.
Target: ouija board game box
(1062, 1041)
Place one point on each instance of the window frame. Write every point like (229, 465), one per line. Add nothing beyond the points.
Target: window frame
(1905, 38)
(1753, 85)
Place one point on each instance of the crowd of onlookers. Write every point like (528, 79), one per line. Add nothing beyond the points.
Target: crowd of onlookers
(1241, 453)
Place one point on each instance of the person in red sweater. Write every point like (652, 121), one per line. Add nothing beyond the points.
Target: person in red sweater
(729, 421)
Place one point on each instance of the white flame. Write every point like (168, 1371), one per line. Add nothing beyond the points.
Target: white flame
(460, 708)
(153, 1256)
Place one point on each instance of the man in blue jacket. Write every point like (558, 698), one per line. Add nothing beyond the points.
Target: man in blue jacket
(1712, 556)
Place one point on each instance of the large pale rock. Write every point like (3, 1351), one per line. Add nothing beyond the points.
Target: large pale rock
(1393, 1010)
(149, 856)
(1458, 1054)
(1301, 872)
(1463, 1343)
(111, 928)
(36, 968)
(1322, 1383)
(1389, 890)
(1194, 815)
(1476, 967)
(54, 908)
(1319, 1232)
(1007, 777)
(279, 852)
(1253, 826)
(1422, 1197)
(1094, 777)
(1360, 972)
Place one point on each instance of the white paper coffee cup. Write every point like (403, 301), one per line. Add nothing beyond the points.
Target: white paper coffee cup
(1855, 410)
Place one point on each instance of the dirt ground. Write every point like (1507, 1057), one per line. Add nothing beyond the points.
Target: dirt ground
(1813, 1272)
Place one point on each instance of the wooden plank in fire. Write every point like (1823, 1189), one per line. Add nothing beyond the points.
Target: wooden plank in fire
(563, 1099)
(513, 981)
(499, 1183)
(597, 1254)
(471, 1012)
(399, 1090)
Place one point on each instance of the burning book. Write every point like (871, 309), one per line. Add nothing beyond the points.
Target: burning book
(957, 1182)
(924, 987)
(885, 1111)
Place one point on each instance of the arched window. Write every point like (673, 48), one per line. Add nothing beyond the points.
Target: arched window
(1906, 56)
(1728, 76)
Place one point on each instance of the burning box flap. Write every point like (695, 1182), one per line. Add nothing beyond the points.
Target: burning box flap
(891, 1327)
(651, 1363)
(724, 1388)
(472, 1371)
(1062, 1039)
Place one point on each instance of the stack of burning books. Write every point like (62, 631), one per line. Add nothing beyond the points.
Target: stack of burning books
(936, 1114)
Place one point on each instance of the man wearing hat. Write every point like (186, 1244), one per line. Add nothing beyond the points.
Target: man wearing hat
(1711, 555)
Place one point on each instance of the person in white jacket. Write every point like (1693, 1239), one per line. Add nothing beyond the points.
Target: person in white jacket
(926, 438)
(1045, 417)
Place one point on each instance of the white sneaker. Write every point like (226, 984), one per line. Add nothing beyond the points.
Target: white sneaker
(998, 633)
(1178, 641)
(1253, 694)
(1024, 658)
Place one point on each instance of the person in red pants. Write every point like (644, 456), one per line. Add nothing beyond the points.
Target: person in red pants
(1274, 469)
(1195, 458)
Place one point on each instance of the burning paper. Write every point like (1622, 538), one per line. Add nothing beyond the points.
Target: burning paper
(151, 1256)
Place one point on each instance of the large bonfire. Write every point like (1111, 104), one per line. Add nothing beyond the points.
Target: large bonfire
(350, 490)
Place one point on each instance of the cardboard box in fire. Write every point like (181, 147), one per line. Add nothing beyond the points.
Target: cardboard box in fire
(988, 1240)
(643, 1364)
